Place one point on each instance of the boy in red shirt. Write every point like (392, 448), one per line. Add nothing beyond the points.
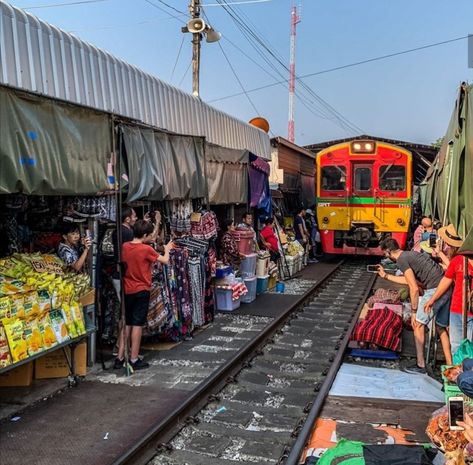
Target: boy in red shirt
(138, 257)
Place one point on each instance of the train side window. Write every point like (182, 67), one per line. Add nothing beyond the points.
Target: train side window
(334, 178)
(362, 179)
(392, 178)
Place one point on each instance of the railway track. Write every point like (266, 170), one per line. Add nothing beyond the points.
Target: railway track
(261, 409)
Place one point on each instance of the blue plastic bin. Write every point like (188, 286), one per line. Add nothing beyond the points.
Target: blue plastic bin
(248, 266)
(262, 284)
(224, 302)
(223, 272)
(250, 284)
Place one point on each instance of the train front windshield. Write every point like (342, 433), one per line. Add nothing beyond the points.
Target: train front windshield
(392, 178)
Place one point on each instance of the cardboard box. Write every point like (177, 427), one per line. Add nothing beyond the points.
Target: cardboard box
(21, 376)
(54, 365)
(88, 299)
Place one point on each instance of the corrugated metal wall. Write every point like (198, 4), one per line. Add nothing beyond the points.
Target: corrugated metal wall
(41, 58)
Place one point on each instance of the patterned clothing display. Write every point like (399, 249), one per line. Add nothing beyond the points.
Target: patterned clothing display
(381, 327)
(229, 250)
(186, 299)
(388, 296)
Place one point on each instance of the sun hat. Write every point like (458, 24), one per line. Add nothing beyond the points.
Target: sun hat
(424, 245)
(449, 235)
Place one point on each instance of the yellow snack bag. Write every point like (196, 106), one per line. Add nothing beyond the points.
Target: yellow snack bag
(33, 338)
(16, 342)
(31, 304)
(5, 357)
(59, 326)
(44, 301)
(47, 332)
(69, 320)
(78, 317)
(17, 306)
(5, 307)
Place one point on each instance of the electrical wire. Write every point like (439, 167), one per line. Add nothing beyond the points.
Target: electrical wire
(185, 74)
(177, 58)
(358, 63)
(171, 7)
(52, 5)
(160, 8)
(323, 110)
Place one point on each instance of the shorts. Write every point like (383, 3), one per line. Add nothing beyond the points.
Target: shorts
(136, 308)
(441, 310)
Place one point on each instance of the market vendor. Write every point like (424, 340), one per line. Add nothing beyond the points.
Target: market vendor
(229, 252)
(73, 251)
(270, 241)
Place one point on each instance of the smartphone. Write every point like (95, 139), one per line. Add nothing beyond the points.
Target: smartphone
(455, 412)
(433, 240)
(372, 268)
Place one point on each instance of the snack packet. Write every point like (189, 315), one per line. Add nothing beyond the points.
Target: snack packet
(5, 357)
(31, 304)
(14, 333)
(9, 286)
(33, 338)
(69, 320)
(78, 317)
(44, 301)
(46, 330)
(59, 326)
(17, 306)
(5, 307)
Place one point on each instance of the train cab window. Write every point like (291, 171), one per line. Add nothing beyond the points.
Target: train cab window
(334, 178)
(362, 179)
(392, 178)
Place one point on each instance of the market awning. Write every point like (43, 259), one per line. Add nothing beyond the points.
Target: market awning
(163, 166)
(227, 174)
(51, 148)
(447, 191)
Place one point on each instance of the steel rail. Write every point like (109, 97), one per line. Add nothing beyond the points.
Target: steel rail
(301, 441)
(146, 448)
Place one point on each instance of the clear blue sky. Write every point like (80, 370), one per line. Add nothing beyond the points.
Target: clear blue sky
(408, 97)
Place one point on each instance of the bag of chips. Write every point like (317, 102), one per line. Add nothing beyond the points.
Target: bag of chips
(5, 357)
(78, 317)
(31, 304)
(17, 306)
(14, 333)
(32, 334)
(69, 320)
(59, 326)
(44, 301)
(5, 307)
(46, 329)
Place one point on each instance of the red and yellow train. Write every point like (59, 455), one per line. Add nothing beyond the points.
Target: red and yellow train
(364, 194)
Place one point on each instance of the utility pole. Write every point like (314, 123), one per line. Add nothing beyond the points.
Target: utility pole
(194, 10)
(295, 19)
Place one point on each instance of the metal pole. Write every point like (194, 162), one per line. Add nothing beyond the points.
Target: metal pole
(194, 9)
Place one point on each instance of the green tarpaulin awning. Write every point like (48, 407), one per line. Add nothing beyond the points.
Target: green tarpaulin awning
(47, 147)
(447, 191)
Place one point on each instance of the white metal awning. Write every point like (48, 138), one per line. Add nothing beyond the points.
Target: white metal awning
(41, 58)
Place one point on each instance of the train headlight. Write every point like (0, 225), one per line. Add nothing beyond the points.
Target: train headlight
(325, 220)
(401, 222)
(363, 146)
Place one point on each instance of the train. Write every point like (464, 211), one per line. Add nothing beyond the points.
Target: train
(364, 194)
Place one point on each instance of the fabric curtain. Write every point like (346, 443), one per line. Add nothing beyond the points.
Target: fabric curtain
(260, 194)
(227, 174)
(163, 166)
(48, 147)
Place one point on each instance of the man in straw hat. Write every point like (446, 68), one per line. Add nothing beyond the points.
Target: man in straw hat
(455, 275)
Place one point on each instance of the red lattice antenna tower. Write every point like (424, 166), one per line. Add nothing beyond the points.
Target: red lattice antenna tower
(295, 20)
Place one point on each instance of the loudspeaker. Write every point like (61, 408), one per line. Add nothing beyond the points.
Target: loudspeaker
(196, 25)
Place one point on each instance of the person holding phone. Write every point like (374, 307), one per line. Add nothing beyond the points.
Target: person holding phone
(422, 233)
(73, 250)
(420, 271)
(138, 257)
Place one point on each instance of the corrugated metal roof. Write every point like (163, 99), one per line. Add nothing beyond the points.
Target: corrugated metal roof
(41, 58)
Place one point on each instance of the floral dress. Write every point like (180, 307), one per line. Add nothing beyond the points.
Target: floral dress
(230, 253)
